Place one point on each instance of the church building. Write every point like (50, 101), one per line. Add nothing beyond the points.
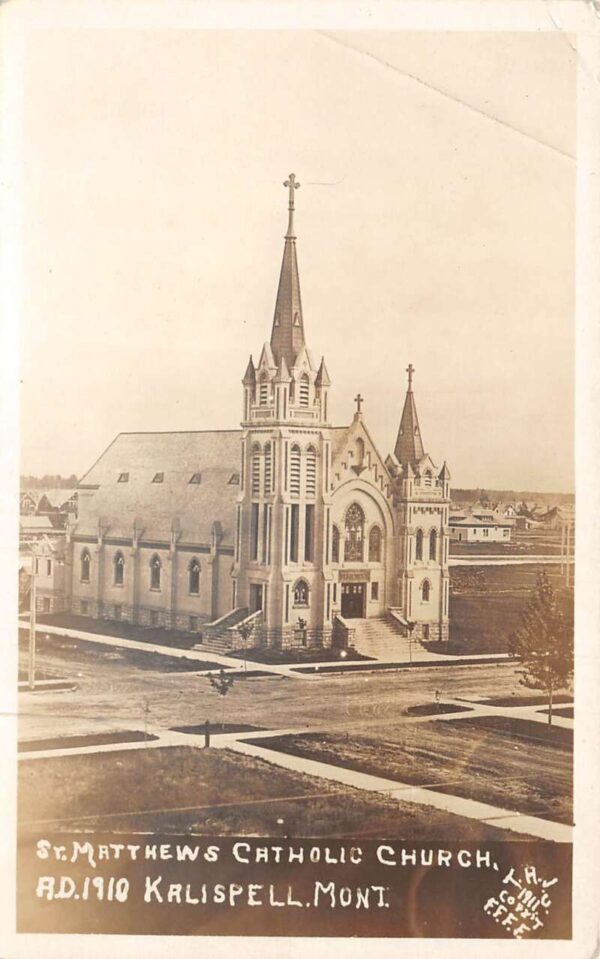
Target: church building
(301, 525)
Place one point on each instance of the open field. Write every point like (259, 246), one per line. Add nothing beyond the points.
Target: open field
(479, 758)
(486, 604)
(209, 792)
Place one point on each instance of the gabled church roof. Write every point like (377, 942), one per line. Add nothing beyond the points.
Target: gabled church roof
(212, 457)
(287, 335)
(409, 444)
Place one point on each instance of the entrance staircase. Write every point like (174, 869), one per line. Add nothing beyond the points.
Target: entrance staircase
(382, 638)
(220, 636)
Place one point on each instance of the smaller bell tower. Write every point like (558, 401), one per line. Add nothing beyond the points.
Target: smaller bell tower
(422, 502)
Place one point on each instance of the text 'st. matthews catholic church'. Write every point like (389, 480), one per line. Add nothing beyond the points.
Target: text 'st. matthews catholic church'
(291, 518)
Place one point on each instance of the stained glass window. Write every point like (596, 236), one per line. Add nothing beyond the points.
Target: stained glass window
(355, 526)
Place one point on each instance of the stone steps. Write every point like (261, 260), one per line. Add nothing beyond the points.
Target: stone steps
(379, 637)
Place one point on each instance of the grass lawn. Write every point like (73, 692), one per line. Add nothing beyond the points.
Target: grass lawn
(524, 700)
(93, 739)
(297, 654)
(567, 711)
(462, 757)
(63, 647)
(106, 627)
(229, 794)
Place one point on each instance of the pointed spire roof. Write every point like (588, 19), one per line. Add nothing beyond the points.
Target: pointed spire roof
(322, 375)
(287, 336)
(250, 374)
(409, 445)
(283, 374)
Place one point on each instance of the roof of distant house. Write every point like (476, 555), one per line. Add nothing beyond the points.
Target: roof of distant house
(471, 520)
(35, 523)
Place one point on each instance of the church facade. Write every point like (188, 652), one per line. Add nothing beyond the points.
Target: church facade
(298, 523)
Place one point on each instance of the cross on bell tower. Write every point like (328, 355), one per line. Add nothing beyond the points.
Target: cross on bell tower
(410, 370)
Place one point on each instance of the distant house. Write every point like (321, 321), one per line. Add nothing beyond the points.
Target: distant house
(34, 528)
(28, 501)
(62, 501)
(49, 569)
(557, 516)
(482, 527)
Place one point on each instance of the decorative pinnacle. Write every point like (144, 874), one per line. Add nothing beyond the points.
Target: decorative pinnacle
(292, 185)
(410, 370)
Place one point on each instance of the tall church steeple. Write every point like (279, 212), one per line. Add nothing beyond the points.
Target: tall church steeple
(409, 443)
(287, 335)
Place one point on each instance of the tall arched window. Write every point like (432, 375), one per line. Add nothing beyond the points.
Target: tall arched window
(425, 590)
(419, 544)
(433, 544)
(155, 571)
(311, 471)
(295, 470)
(335, 545)
(428, 478)
(119, 562)
(354, 535)
(86, 562)
(375, 544)
(360, 450)
(301, 593)
(194, 576)
(256, 470)
(304, 390)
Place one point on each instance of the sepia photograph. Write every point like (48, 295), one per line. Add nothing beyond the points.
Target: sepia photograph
(296, 505)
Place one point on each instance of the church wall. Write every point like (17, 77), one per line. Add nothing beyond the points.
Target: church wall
(170, 606)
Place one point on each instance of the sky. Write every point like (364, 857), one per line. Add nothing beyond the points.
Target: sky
(435, 226)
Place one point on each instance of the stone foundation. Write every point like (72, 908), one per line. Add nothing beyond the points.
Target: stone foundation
(431, 632)
(50, 602)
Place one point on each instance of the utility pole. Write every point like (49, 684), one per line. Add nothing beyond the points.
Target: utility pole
(32, 612)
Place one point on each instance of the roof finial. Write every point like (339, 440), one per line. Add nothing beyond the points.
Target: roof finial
(292, 185)
(410, 370)
(359, 400)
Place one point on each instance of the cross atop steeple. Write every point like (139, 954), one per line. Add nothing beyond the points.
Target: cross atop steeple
(292, 185)
(410, 370)
(359, 400)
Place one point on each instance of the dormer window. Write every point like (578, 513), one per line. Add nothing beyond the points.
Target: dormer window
(158, 477)
(234, 479)
(123, 478)
(195, 479)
